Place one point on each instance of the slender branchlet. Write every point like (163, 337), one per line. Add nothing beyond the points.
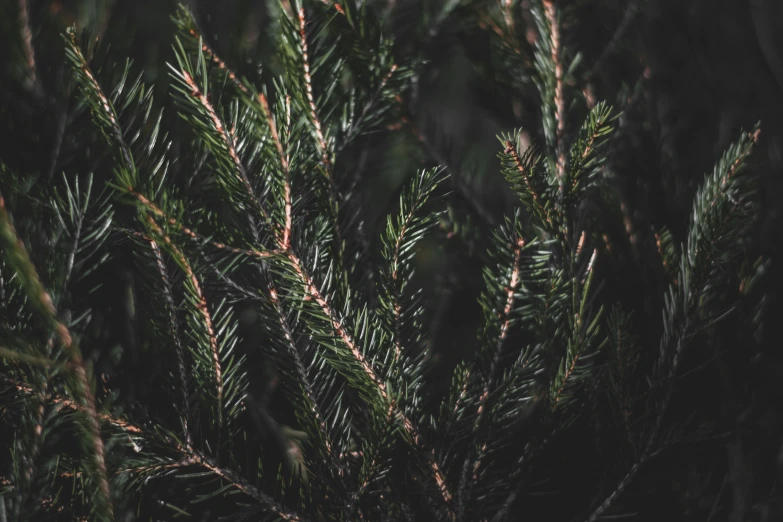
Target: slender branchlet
(221, 129)
(108, 116)
(194, 457)
(191, 457)
(505, 325)
(284, 234)
(308, 85)
(212, 55)
(284, 164)
(372, 468)
(338, 326)
(497, 343)
(171, 313)
(713, 209)
(202, 307)
(301, 372)
(560, 114)
(73, 405)
(343, 333)
(149, 205)
(511, 149)
(353, 363)
(333, 193)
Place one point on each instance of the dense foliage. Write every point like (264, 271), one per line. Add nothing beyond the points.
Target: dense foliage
(204, 313)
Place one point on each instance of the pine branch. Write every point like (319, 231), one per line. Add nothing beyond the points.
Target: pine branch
(304, 381)
(217, 126)
(308, 85)
(576, 350)
(321, 145)
(150, 206)
(225, 138)
(191, 456)
(73, 405)
(284, 164)
(102, 109)
(194, 457)
(402, 235)
(187, 26)
(168, 295)
(370, 471)
(721, 199)
(724, 197)
(341, 331)
(514, 282)
(559, 100)
(523, 167)
(201, 307)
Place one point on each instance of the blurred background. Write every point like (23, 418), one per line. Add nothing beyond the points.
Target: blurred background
(687, 75)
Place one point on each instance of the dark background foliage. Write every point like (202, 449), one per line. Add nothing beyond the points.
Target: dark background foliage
(687, 75)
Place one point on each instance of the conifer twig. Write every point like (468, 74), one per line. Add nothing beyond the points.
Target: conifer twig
(559, 100)
(680, 338)
(206, 49)
(504, 328)
(202, 308)
(336, 323)
(152, 207)
(72, 405)
(212, 55)
(356, 495)
(511, 149)
(286, 241)
(347, 339)
(103, 104)
(301, 371)
(405, 225)
(505, 317)
(192, 457)
(171, 312)
(221, 129)
(309, 89)
(334, 206)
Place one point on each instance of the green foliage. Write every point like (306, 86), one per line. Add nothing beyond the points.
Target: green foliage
(250, 211)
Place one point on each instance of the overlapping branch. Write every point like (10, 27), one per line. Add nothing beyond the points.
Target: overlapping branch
(191, 457)
(38, 295)
(202, 308)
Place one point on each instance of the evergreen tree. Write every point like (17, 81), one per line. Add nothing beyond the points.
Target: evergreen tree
(273, 357)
